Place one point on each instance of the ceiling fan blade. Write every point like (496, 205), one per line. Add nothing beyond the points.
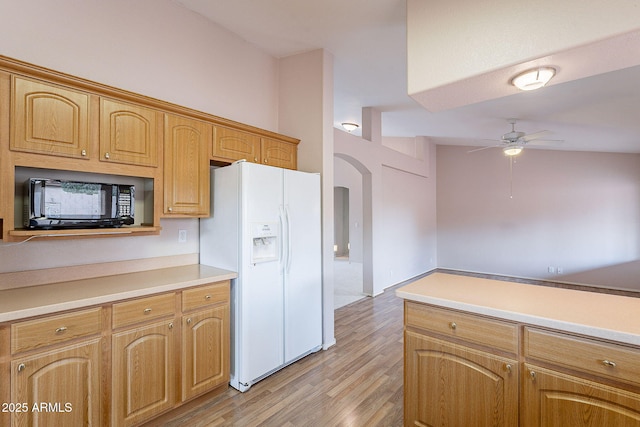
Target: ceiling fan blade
(482, 148)
(536, 135)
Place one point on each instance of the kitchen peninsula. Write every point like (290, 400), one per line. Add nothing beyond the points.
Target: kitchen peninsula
(518, 354)
(114, 350)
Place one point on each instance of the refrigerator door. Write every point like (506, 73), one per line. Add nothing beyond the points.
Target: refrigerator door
(260, 301)
(302, 264)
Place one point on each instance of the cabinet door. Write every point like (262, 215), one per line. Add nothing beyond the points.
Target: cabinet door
(451, 385)
(143, 373)
(552, 399)
(278, 153)
(49, 119)
(60, 387)
(186, 166)
(231, 144)
(205, 351)
(128, 133)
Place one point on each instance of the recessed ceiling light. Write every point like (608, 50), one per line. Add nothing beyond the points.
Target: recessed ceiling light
(350, 126)
(533, 79)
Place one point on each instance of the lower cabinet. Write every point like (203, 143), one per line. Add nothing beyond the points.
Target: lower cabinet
(452, 385)
(463, 369)
(143, 373)
(205, 349)
(121, 364)
(58, 387)
(554, 399)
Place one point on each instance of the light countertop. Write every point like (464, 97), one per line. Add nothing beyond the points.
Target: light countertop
(599, 315)
(37, 300)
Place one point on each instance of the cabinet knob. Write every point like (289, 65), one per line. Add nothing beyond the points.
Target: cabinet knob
(207, 297)
(170, 209)
(507, 367)
(265, 161)
(21, 367)
(171, 325)
(609, 363)
(453, 325)
(106, 155)
(83, 153)
(61, 329)
(147, 311)
(532, 374)
(189, 321)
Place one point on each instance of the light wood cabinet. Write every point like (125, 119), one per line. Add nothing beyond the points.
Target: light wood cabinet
(466, 369)
(205, 350)
(129, 133)
(49, 119)
(454, 383)
(556, 399)
(144, 375)
(58, 387)
(231, 144)
(279, 154)
(186, 167)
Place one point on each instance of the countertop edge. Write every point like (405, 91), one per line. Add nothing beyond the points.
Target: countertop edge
(202, 276)
(546, 322)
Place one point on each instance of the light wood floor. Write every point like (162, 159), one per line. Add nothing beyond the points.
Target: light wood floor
(357, 382)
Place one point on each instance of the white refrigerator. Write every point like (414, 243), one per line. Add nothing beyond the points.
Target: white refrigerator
(265, 224)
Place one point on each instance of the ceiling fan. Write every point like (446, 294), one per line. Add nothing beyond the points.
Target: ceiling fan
(513, 142)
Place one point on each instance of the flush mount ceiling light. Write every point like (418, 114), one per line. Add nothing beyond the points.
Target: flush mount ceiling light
(533, 79)
(350, 126)
(512, 150)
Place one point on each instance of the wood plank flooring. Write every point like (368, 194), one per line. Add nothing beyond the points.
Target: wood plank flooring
(357, 382)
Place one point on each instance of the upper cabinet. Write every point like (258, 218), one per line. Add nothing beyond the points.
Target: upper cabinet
(49, 119)
(129, 133)
(274, 150)
(278, 153)
(186, 166)
(233, 145)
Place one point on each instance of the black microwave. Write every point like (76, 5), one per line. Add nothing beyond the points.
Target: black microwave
(54, 203)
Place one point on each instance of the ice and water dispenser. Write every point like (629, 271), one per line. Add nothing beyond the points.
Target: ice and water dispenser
(264, 246)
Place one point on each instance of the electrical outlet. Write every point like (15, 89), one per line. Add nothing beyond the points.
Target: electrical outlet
(559, 270)
(182, 236)
(551, 269)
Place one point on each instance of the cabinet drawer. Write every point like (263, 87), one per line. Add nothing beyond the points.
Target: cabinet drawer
(143, 309)
(55, 329)
(205, 295)
(604, 359)
(469, 327)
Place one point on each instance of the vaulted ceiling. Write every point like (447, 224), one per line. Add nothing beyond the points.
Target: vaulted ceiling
(367, 38)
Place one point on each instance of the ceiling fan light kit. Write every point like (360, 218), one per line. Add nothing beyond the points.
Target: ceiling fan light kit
(512, 150)
(533, 79)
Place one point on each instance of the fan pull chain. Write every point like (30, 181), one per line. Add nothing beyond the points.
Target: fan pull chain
(511, 177)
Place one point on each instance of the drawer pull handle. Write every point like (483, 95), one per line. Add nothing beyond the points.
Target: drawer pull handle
(21, 367)
(207, 297)
(147, 311)
(61, 329)
(107, 156)
(507, 367)
(83, 153)
(453, 325)
(609, 363)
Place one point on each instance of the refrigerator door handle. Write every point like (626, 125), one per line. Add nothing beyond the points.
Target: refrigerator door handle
(288, 265)
(282, 246)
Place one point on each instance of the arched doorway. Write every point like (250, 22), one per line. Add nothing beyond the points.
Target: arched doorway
(352, 175)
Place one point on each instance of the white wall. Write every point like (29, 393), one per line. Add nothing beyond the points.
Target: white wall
(401, 209)
(575, 210)
(152, 47)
